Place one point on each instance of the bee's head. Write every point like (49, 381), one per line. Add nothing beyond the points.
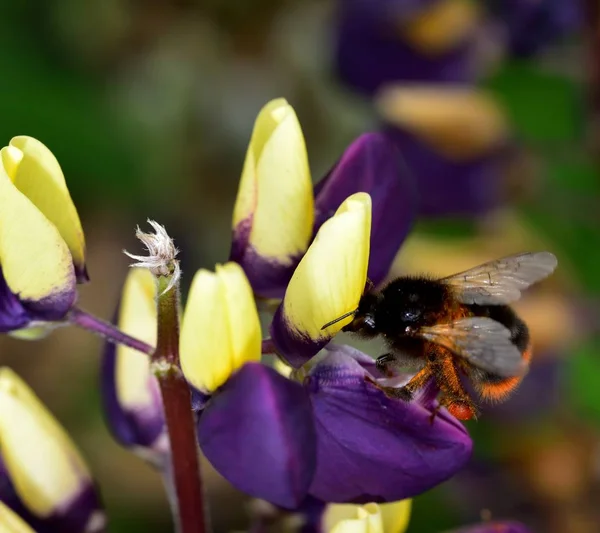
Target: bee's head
(364, 321)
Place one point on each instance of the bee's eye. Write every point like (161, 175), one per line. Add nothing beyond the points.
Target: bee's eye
(410, 315)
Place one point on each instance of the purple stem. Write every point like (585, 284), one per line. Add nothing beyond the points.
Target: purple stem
(89, 322)
(185, 465)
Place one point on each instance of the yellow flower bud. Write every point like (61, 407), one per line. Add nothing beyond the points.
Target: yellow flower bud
(274, 210)
(220, 330)
(42, 462)
(369, 518)
(331, 277)
(35, 172)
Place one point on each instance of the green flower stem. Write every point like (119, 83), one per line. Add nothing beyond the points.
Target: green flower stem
(108, 331)
(185, 465)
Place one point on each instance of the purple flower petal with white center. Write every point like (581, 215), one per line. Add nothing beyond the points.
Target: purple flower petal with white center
(371, 448)
(494, 527)
(451, 187)
(258, 433)
(372, 164)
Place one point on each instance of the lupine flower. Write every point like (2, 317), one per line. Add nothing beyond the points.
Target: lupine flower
(130, 392)
(454, 142)
(42, 249)
(398, 40)
(43, 478)
(276, 217)
(11, 522)
(255, 428)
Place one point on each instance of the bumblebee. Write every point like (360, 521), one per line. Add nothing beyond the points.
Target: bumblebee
(453, 326)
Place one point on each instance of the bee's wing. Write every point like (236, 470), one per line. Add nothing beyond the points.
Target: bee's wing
(482, 342)
(501, 281)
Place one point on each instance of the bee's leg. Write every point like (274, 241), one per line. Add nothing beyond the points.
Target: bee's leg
(454, 396)
(406, 393)
(384, 362)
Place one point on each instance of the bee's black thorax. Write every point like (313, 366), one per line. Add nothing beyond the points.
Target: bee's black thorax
(410, 302)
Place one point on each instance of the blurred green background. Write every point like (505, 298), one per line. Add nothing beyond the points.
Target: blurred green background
(149, 105)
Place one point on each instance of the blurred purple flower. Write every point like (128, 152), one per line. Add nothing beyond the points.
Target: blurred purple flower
(450, 188)
(372, 50)
(531, 26)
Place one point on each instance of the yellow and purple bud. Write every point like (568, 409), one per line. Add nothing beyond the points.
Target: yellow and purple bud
(256, 428)
(130, 391)
(328, 283)
(273, 214)
(43, 474)
(369, 518)
(42, 247)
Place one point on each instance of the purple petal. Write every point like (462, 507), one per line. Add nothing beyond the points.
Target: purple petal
(12, 313)
(372, 164)
(295, 350)
(82, 514)
(16, 314)
(142, 429)
(450, 188)
(369, 55)
(268, 278)
(258, 433)
(371, 448)
(494, 527)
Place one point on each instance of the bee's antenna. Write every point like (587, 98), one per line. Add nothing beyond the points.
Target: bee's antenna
(345, 315)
